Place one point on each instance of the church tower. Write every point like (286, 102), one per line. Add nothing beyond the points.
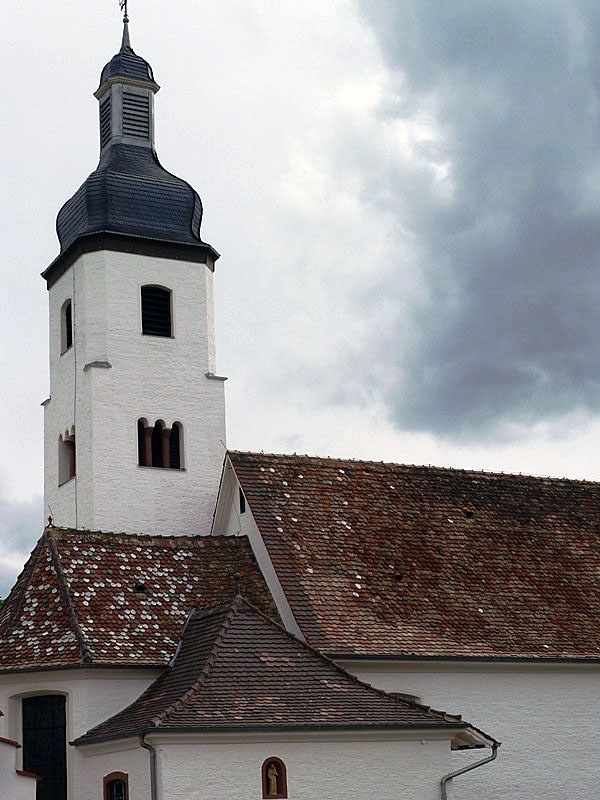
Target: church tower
(135, 422)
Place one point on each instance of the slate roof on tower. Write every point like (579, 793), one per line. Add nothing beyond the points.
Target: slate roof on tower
(235, 669)
(130, 193)
(126, 63)
(130, 198)
(385, 559)
(117, 599)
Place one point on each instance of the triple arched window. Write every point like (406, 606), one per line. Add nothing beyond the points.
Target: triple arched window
(159, 446)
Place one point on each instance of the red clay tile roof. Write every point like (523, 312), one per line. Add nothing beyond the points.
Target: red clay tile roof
(76, 601)
(238, 670)
(387, 559)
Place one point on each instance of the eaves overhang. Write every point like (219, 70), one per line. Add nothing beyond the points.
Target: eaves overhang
(200, 253)
(396, 658)
(140, 82)
(81, 666)
(463, 727)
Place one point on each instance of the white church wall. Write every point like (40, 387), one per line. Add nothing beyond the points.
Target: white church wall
(92, 697)
(149, 376)
(59, 411)
(545, 716)
(94, 763)
(317, 767)
(13, 785)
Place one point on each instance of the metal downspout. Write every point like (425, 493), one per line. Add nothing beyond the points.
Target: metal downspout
(152, 751)
(462, 771)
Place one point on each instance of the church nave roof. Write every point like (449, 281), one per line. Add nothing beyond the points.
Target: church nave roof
(399, 560)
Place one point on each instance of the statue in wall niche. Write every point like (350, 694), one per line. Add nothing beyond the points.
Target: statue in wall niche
(272, 775)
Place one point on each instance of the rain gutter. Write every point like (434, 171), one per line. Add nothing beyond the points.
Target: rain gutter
(462, 771)
(152, 751)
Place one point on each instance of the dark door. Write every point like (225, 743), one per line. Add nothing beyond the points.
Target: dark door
(45, 744)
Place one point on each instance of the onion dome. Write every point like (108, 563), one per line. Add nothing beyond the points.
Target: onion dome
(130, 194)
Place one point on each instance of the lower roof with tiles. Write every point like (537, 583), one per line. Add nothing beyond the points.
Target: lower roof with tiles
(383, 559)
(87, 598)
(237, 670)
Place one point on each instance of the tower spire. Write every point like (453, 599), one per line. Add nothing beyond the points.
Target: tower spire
(126, 41)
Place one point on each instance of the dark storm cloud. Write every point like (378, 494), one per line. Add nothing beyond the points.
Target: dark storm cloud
(510, 329)
(20, 527)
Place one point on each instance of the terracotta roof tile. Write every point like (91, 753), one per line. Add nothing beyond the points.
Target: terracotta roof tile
(381, 558)
(106, 598)
(236, 669)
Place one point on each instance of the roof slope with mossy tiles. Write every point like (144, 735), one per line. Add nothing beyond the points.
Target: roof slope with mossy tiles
(87, 598)
(386, 559)
(238, 670)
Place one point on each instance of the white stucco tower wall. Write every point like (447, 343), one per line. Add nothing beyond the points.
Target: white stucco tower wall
(113, 375)
(135, 422)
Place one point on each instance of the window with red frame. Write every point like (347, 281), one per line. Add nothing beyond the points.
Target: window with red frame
(116, 786)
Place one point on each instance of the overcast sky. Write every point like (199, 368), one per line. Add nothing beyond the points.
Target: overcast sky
(406, 197)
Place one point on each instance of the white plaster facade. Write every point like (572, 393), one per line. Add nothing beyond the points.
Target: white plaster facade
(14, 786)
(336, 767)
(546, 717)
(114, 375)
(402, 765)
(92, 695)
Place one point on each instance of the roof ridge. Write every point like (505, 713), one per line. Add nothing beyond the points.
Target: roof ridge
(86, 656)
(431, 467)
(27, 573)
(208, 664)
(144, 537)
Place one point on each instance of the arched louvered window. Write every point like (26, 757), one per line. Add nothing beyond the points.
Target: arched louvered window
(66, 326)
(116, 786)
(274, 779)
(156, 311)
(159, 446)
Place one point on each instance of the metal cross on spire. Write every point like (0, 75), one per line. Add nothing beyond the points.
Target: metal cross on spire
(123, 6)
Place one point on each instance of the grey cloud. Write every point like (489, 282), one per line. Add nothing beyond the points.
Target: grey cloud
(20, 527)
(509, 329)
